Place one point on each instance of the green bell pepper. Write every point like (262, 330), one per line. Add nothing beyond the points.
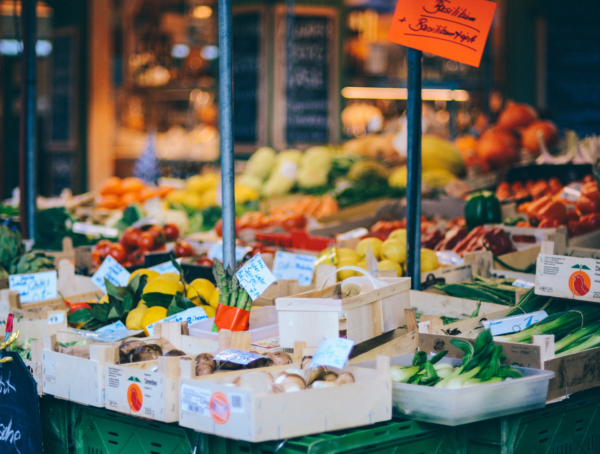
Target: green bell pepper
(482, 208)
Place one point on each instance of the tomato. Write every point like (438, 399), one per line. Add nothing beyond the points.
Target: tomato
(381, 227)
(117, 251)
(555, 186)
(204, 261)
(146, 241)
(534, 208)
(294, 222)
(588, 178)
(76, 306)
(539, 189)
(523, 224)
(171, 232)
(549, 223)
(130, 238)
(219, 228)
(183, 249)
(456, 222)
(590, 222)
(158, 234)
(574, 228)
(136, 257)
(572, 216)
(586, 205)
(102, 247)
(553, 211)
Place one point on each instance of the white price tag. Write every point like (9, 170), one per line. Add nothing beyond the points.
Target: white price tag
(523, 283)
(513, 324)
(332, 352)
(240, 357)
(166, 267)
(109, 333)
(195, 400)
(193, 315)
(294, 266)
(356, 233)
(95, 230)
(255, 277)
(55, 319)
(34, 287)
(216, 252)
(113, 271)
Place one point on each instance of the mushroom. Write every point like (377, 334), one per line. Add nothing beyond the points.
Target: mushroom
(345, 378)
(290, 382)
(323, 384)
(205, 358)
(174, 352)
(330, 376)
(146, 353)
(126, 348)
(316, 373)
(204, 369)
(278, 358)
(306, 362)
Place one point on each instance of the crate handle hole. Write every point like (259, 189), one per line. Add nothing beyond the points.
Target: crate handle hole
(579, 429)
(112, 442)
(156, 444)
(542, 432)
(380, 433)
(543, 440)
(114, 434)
(579, 421)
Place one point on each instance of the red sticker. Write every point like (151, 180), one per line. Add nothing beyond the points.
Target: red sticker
(219, 408)
(135, 397)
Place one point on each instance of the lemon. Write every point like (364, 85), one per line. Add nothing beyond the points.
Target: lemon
(134, 318)
(192, 200)
(214, 299)
(347, 261)
(104, 299)
(153, 315)
(200, 290)
(196, 183)
(151, 274)
(172, 276)
(177, 196)
(162, 285)
(210, 311)
(429, 260)
(399, 234)
(209, 198)
(343, 252)
(362, 265)
(373, 243)
(394, 250)
(389, 265)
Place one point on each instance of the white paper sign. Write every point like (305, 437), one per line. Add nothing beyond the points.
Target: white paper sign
(55, 319)
(523, 283)
(332, 352)
(95, 230)
(513, 324)
(255, 277)
(166, 267)
(216, 252)
(296, 267)
(34, 287)
(193, 315)
(113, 271)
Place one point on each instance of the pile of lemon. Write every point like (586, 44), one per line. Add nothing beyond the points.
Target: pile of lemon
(200, 291)
(390, 255)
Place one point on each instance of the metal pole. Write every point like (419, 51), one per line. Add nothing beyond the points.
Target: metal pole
(413, 211)
(27, 169)
(226, 114)
(289, 52)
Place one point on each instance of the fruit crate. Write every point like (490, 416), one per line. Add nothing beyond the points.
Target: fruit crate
(568, 427)
(397, 436)
(98, 431)
(55, 416)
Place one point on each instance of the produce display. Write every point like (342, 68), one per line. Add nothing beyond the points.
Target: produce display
(497, 291)
(481, 365)
(118, 193)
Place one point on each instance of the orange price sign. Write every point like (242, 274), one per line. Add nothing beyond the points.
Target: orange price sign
(453, 29)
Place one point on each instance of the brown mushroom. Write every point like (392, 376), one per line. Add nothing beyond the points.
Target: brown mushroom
(345, 378)
(204, 369)
(146, 353)
(330, 376)
(174, 352)
(126, 348)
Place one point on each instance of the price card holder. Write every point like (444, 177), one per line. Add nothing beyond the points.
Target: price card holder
(296, 267)
(20, 423)
(34, 287)
(255, 277)
(113, 271)
(333, 353)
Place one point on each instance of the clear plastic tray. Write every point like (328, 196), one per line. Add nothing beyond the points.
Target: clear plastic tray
(463, 406)
(264, 324)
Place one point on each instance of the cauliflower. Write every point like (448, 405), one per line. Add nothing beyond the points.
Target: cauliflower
(261, 163)
(277, 185)
(311, 178)
(317, 158)
(250, 181)
(294, 156)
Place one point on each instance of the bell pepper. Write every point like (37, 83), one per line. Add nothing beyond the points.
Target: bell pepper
(452, 238)
(554, 211)
(497, 241)
(482, 208)
(431, 239)
(472, 242)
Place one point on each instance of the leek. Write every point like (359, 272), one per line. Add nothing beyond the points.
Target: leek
(592, 342)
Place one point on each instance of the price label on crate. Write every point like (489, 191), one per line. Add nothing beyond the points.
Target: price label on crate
(166, 267)
(240, 357)
(34, 287)
(332, 352)
(55, 319)
(113, 271)
(255, 277)
(296, 267)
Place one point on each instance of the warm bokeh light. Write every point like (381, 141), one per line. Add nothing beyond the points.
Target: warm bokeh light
(427, 94)
(202, 12)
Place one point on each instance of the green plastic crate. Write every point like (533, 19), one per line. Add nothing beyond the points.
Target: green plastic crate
(568, 427)
(98, 431)
(398, 436)
(55, 417)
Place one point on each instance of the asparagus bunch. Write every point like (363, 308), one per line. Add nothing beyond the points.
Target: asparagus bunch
(230, 292)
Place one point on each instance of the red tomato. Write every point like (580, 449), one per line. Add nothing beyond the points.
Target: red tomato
(171, 232)
(588, 178)
(158, 234)
(574, 228)
(136, 257)
(102, 247)
(590, 222)
(572, 216)
(76, 306)
(117, 251)
(219, 228)
(204, 261)
(130, 238)
(549, 223)
(553, 211)
(146, 241)
(294, 222)
(381, 227)
(183, 249)
(586, 205)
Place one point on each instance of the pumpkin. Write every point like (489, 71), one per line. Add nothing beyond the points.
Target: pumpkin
(529, 136)
(516, 116)
(497, 148)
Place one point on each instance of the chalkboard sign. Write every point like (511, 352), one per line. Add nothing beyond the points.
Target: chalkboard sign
(573, 64)
(249, 78)
(62, 121)
(61, 170)
(307, 100)
(20, 426)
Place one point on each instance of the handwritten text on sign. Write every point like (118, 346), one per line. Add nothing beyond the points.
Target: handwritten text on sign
(113, 271)
(454, 29)
(255, 277)
(34, 287)
(332, 352)
(296, 267)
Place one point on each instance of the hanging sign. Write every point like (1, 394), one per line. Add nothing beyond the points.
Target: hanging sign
(255, 277)
(453, 29)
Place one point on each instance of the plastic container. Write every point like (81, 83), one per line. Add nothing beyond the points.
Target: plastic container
(463, 406)
(264, 324)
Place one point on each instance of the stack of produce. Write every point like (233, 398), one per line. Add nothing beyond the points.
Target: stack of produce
(481, 365)
(11, 247)
(117, 194)
(256, 221)
(148, 298)
(310, 206)
(230, 295)
(32, 262)
(497, 291)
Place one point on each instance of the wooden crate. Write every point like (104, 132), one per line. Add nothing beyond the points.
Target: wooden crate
(252, 415)
(156, 383)
(320, 314)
